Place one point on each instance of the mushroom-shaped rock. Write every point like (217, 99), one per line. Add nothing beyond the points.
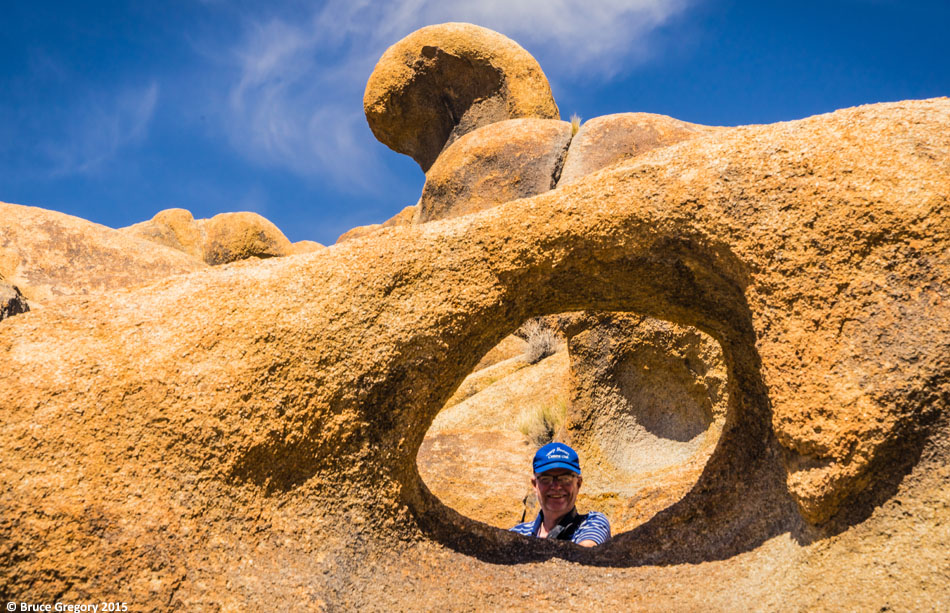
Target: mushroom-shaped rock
(446, 80)
(605, 140)
(500, 162)
(49, 254)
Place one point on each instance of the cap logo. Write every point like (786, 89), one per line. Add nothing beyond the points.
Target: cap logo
(558, 453)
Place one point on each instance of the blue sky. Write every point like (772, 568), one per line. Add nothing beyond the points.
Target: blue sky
(113, 111)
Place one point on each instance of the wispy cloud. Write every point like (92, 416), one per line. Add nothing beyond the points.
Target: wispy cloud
(97, 128)
(568, 36)
(296, 99)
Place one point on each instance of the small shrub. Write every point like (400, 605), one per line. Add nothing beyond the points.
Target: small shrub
(539, 424)
(540, 341)
(575, 123)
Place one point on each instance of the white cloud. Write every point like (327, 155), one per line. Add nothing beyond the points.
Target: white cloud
(96, 129)
(296, 100)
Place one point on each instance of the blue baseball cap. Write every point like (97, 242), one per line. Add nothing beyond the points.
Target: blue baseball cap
(556, 455)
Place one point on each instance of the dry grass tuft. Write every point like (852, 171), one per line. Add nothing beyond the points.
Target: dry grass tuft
(540, 340)
(575, 123)
(539, 424)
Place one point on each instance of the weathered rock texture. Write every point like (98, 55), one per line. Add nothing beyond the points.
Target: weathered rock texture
(443, 81)
(248, 453)
(12, 301)
(503, 161)
(608, 139)
(48, 254)
(648, 401)
(404, 217)
(306, 247)
(226, 237)
(479, 473)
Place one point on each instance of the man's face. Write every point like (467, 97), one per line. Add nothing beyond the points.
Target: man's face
(556, 499)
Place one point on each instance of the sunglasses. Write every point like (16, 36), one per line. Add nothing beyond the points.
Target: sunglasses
(547, 480)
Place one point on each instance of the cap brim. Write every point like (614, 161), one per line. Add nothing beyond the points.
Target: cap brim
(556, 464)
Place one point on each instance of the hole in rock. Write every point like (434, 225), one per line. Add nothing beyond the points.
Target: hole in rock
(643, 401)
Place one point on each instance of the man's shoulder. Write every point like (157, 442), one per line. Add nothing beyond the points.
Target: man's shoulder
(595, 527)
(525, 528)
(596, 517)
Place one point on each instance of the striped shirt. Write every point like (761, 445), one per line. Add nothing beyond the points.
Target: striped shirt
(595, 527)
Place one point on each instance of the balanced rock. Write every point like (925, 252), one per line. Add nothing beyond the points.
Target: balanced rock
(606, 140)
(48, 254)
(248, 454)
(502, 161)
(443, 81)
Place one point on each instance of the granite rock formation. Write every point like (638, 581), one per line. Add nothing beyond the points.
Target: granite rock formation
(248, 453)
(477, 77)
(405, 217)
(648, 402)
(503, 161)
(226, 237)
(609, 139)
(48, 255)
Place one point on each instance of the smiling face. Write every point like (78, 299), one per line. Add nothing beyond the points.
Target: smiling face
(556, 499)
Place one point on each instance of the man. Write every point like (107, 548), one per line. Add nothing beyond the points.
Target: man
(557, 480)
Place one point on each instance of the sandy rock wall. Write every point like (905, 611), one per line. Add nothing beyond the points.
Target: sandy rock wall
(248, 453)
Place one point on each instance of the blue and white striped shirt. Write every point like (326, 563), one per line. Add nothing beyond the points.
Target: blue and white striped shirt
(596, 527)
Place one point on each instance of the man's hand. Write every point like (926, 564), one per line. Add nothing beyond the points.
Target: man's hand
(587, 543)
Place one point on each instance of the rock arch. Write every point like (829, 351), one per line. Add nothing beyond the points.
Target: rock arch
(250, 451)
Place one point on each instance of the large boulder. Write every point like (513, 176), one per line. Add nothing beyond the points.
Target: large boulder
(47, 254)
(230, 237)
(444, 81)
(608, 139)
(503, 161)
(175, 228)
(243, 453)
